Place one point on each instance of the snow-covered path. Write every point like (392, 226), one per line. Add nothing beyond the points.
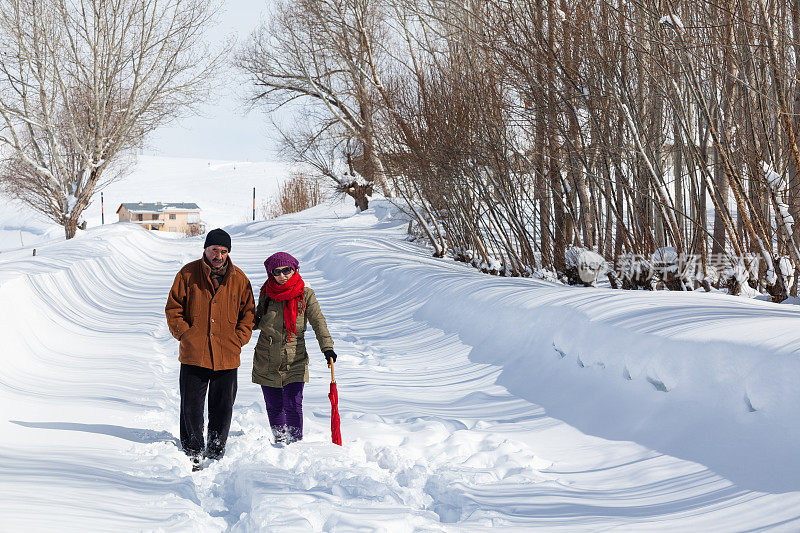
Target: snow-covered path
(438, 370)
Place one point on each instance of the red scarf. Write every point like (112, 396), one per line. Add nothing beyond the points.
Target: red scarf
(291, 293)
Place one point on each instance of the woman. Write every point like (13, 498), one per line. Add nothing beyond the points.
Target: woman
(280, 363)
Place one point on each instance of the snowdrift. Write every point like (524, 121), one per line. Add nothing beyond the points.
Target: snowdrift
(707, 377)
(467, 401)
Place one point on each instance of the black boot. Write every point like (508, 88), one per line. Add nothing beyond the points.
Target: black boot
(293, 434)
(280, 434)
(215, 448)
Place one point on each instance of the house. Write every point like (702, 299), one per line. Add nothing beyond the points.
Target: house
(174, 217)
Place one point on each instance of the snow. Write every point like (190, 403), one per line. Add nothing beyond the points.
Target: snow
(358, 179)
(777, 182)
(20, 227)
(222, 189)
(770, 277)
(774, 180)
(786, 218)
(666, 255)
(674, 20)
(784, 211)
(587, 263)
(468, 401)
(71, 202)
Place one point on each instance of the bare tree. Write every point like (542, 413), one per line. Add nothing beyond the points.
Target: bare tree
(83, 82)
(516, 130)
(325, 54)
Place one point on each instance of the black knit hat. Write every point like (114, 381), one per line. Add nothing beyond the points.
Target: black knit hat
(218, 237)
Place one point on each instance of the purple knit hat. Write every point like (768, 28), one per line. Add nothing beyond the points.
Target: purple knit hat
(280, 259)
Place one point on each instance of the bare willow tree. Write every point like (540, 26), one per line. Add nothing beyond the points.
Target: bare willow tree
(325, 55)
(632, 119)
(655, 139)
(83, 82)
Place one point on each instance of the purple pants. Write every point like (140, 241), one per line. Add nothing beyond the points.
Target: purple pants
(285, 411)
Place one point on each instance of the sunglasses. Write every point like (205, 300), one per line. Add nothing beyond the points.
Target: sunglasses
(285, 271)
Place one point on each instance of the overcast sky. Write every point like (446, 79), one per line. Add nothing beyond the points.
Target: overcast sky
(223, 131)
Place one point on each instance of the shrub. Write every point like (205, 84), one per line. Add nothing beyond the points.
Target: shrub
(299, 192)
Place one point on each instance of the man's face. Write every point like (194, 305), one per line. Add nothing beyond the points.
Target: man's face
(216, 255)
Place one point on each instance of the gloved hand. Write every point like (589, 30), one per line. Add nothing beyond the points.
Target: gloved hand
(330, 356)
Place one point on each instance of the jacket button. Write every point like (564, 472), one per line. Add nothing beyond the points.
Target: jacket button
(212, 320)
(212, 334)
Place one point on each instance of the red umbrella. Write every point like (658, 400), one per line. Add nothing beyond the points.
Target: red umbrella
(336, 432)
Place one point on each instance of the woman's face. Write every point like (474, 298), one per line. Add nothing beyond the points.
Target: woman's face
(282, 275)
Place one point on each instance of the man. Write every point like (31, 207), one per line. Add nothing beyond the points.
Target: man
(210, 310)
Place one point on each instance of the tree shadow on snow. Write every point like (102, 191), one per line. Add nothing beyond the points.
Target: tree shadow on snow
(143, 436)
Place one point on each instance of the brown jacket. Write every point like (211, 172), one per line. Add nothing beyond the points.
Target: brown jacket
(276, 363)
(212, 326)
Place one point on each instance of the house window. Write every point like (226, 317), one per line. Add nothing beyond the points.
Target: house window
(172, 216)
(139, 217)
(155, 217)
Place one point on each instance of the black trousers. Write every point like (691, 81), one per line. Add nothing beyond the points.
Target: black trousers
(221, 386)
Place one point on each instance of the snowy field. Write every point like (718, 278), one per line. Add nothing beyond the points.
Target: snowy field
(467, 401)
(222, 189)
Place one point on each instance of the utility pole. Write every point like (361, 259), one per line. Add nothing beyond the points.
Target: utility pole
(102, 213)
(254, 204)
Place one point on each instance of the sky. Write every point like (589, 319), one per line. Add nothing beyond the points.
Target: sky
(223, 129)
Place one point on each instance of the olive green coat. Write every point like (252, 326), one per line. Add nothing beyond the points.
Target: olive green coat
(277, 363)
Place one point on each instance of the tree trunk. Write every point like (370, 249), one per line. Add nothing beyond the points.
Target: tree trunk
(70, 227)
(677, 174)
(543, 199)
(360, 194)
(559, 212)
(723, 189)
(794, 171)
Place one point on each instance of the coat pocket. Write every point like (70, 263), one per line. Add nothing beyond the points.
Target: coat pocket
(189, 343)
(266, 358)
(185, 334)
